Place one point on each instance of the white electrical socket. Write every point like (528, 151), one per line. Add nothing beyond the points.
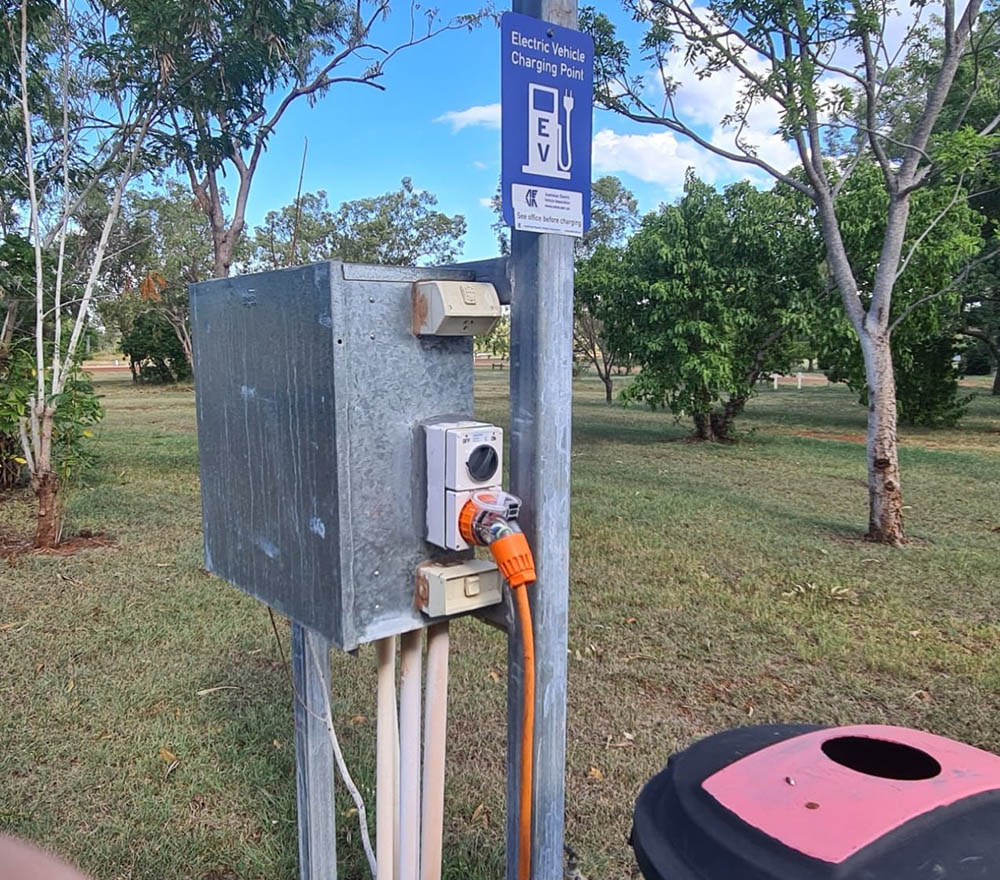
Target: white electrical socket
(462, 458)
(451, 588)
(454, 308)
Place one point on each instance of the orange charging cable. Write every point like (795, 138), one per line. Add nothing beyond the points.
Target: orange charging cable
(513, 557)
(527, 732)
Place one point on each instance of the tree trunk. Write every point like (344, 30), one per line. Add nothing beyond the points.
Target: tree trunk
(996, 382)
(48, 530)
(885, 493)
(609, 387)
(703, 427)
(221, 261)
(722, 422)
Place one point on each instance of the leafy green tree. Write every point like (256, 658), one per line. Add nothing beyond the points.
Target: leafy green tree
(236, 68)
(398, 228)
(95, 143)
(822, 68)
(614, 216)
(308, 222)
(981, 322)
(497, 341)
(710, 295)
(596, 286)
(975, 101)
(155, 353)
(16, 283)
(41, 16)
(926, 307)
(162, 245)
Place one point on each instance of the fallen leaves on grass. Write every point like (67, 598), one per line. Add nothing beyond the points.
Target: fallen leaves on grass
(595, 773)
(172, 761)
(480, 816)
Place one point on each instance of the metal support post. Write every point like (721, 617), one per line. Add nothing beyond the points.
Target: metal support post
(541, 363)
(313, 756)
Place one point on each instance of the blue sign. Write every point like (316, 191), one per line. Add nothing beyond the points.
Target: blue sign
(546, 97)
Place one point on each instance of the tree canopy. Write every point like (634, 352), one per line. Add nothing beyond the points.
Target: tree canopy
(397, 228)
(707, 297)
(826, 71)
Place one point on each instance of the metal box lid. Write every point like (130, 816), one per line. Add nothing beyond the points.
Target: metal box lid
(311, 389)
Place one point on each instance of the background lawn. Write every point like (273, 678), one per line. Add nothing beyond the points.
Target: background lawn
(712, 587)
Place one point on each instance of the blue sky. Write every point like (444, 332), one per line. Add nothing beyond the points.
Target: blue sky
(426, 126)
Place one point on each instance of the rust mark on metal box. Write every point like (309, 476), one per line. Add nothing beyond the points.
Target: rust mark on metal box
(420, 310)
(423, 591)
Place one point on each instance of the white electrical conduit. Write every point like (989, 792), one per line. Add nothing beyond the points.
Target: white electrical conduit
(409, 755)
(339, 755)
(435, 728)
(386, 761)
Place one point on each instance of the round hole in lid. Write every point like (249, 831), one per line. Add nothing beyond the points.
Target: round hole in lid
(881, 757)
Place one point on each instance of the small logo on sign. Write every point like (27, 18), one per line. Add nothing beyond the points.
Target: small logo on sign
(531, 197)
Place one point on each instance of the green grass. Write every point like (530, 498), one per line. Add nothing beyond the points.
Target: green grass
(711, 587)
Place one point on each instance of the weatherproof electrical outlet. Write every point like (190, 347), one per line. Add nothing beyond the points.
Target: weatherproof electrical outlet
(454, 308)
(462, 458)
(444, 589)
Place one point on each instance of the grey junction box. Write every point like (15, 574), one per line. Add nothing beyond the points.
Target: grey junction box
(311, 390)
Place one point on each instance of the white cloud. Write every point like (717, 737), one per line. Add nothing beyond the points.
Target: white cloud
(704, 102)
(486, 115)
(486, 202)
(479, 166)
(655, 158)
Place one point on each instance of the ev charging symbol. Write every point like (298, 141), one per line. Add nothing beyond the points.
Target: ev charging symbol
(550, 152)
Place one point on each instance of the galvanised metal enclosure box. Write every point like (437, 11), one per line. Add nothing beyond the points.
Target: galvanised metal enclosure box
(311, 389)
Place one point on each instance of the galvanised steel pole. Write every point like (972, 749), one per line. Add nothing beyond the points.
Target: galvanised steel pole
(541, 363)
(313, 755)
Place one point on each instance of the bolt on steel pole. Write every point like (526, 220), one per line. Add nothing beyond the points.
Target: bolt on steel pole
(541, 362)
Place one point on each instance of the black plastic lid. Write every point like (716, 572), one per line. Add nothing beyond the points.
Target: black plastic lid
(681, 832)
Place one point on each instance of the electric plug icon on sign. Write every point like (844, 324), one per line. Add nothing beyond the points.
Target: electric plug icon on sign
(550, 150)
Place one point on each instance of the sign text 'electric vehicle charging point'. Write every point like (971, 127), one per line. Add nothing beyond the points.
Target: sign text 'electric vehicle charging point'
(547, 75)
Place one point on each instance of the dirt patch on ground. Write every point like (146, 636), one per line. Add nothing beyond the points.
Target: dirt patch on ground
(14, 545)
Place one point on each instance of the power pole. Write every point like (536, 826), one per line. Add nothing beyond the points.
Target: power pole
(541, 365)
